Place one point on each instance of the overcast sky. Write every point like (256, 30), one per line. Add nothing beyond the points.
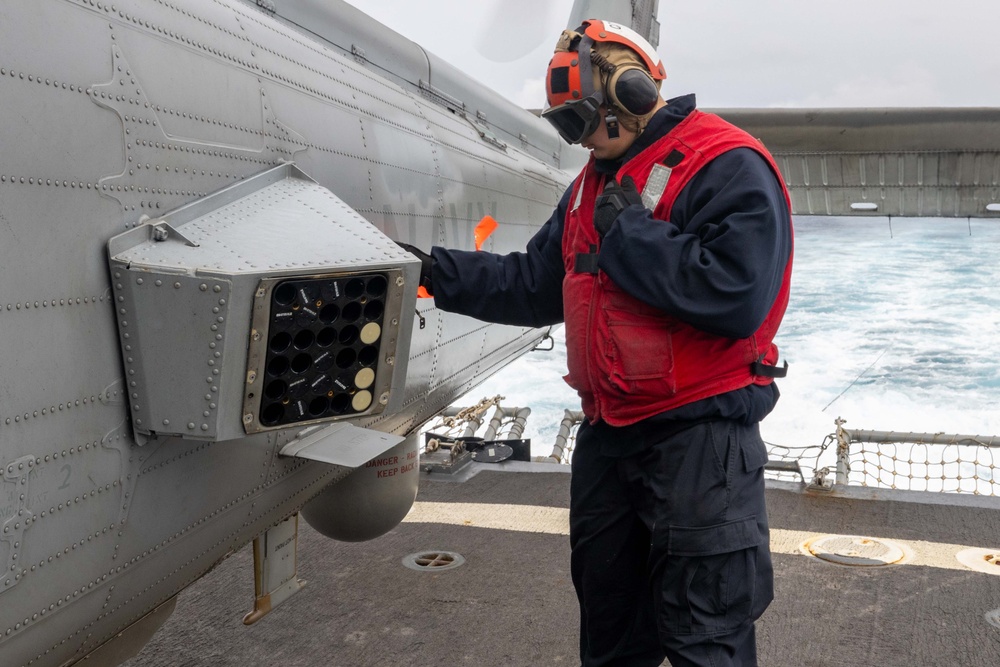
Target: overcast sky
(740, 53)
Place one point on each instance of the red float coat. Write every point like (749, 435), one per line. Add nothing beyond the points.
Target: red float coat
(628, 360)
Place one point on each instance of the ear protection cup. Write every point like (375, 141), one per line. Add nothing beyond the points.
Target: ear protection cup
(632, 90)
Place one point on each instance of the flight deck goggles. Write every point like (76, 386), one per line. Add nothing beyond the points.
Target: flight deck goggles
(577, 119)
(575, 91)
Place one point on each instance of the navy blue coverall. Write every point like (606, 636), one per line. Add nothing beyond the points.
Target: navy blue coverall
(661, 560)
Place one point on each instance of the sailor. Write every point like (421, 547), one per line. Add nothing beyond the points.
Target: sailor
(668, 259)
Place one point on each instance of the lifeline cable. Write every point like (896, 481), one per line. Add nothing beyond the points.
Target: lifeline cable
(855, 380)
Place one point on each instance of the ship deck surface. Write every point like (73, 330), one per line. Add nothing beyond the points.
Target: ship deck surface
(512, 603)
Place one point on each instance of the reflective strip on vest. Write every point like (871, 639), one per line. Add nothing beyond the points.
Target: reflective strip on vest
(657, 183)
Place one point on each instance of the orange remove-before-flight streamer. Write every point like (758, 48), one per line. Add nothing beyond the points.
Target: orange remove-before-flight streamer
(485, 227)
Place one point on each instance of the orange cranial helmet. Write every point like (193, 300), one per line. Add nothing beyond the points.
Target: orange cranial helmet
(600, 63)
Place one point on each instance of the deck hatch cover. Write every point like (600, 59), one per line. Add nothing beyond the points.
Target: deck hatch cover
(855, 550)
(433, 561)
(980, 560)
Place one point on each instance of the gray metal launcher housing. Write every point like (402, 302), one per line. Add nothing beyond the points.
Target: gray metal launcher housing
(269, 304)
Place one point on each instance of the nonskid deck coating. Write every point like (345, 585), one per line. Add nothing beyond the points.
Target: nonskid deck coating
(512, 602)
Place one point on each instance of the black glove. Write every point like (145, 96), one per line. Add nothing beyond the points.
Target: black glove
(426, 265)
(613, 201)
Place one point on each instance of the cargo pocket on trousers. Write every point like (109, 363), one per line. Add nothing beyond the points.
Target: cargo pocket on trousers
(708, 576)
(753, 452)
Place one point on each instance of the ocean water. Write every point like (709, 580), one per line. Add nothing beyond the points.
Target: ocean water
(891, 325)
